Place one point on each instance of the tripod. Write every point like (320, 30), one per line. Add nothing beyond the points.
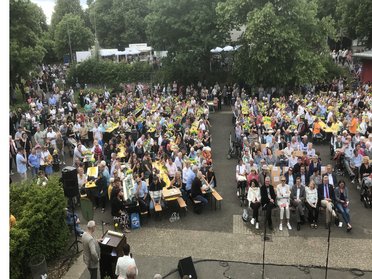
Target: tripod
(76, 241)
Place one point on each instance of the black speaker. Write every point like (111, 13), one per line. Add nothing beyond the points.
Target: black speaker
(186, 267)
(70, 182)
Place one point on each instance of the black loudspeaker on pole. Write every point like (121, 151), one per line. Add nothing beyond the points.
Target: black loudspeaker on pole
(70, 182)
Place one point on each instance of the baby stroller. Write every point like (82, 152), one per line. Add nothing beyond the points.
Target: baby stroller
(366, 192)
(234, 149)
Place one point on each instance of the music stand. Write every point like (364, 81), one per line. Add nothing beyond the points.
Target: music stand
(76, 241)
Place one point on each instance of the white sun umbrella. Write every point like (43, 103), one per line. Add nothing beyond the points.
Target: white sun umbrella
(213, 50)
(228, 48)
(236, 47)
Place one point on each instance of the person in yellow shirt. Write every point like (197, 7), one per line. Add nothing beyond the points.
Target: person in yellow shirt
(12, 221)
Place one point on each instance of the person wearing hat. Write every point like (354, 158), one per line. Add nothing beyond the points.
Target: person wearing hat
(250, 164)
(283, 193)
(265, 172)
(268, 198)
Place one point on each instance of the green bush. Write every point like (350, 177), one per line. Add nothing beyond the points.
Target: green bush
(103, 72)
(40, 227)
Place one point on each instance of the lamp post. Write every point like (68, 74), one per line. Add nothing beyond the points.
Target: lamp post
(69, 42)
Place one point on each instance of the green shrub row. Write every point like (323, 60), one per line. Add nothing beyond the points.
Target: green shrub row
(103, 72)
(40, 228)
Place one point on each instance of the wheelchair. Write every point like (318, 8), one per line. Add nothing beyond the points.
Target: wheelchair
(366, 192)
(243, 192)
(234, 149)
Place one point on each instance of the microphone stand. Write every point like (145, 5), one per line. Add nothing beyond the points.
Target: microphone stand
(76, 241)
(265, 238)
(328, 247)
(103, 224)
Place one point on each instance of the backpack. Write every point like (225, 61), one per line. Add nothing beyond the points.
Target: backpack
(135, 221)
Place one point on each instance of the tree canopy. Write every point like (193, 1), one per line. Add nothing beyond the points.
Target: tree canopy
(81, 37)
(187, 29)
(283, 44)
(64, 7)
(119, 22)
(27, 25)
(357, 19)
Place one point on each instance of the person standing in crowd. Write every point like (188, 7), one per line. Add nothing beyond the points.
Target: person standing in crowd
(34, 162)
(12, 154)
(21, 163)
(124, 262)
(91, 250)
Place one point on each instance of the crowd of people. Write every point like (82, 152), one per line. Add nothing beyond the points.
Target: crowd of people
(121, 133)
(281, 132)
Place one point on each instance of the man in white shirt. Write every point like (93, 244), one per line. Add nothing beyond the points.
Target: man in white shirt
(124, 262)
(51, 135)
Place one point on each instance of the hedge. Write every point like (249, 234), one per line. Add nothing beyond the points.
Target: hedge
(41, 227)
(103, 72)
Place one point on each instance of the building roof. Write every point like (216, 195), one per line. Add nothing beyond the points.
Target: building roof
(366, 54)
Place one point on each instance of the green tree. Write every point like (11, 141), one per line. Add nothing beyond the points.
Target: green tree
(188, 30)
(71, 29)
(284, 44)
(357, 19)
(119, 22)
(27, 25)
(64, 7)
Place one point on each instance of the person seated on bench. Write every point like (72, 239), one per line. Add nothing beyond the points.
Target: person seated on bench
(156, 193)
(254, 199)
(268, 198)
(326, 197)
(298, 200)
(196, 189)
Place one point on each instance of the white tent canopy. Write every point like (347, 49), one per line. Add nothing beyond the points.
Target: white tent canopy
(108, 52)
(216, 50)
(228, 48)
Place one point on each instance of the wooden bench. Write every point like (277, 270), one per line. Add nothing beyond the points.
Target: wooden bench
(218, 199)
(182, 203)
(197, 205)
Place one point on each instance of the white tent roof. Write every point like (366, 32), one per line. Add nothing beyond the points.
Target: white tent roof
(216, 50)
(108, 52)
(228, 48)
